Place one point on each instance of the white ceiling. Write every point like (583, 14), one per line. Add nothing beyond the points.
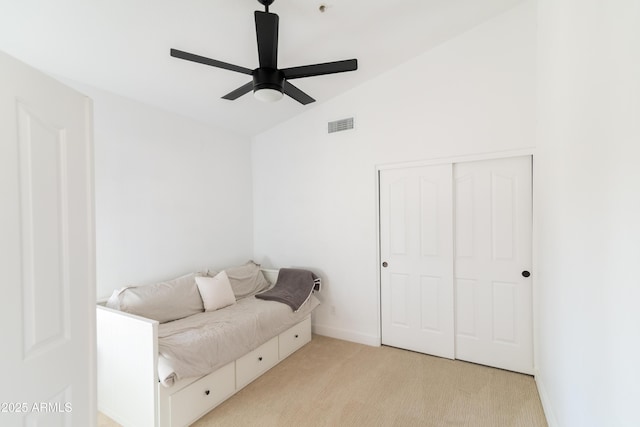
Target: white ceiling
(123, 46)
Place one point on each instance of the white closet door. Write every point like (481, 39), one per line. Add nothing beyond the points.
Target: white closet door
(46, 252)
(492, 255)
(417, 259)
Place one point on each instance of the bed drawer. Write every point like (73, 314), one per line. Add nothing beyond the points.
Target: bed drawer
(253, 364)
(294, 338)
(196, 399)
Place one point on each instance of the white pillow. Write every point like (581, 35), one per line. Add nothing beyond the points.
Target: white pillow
(215, 291)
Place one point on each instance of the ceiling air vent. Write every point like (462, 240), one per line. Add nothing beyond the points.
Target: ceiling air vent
(340, 125)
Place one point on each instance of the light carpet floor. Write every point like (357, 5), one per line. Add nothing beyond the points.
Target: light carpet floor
(331, 382)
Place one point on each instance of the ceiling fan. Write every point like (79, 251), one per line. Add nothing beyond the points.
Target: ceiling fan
(270, 83)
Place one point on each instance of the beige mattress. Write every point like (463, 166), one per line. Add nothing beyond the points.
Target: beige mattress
(200, 344)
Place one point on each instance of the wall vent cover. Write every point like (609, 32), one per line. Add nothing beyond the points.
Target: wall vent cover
(340, 125)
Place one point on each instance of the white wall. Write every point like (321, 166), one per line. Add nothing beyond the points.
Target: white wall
(587, 202)
(315, 194)
(172, 195)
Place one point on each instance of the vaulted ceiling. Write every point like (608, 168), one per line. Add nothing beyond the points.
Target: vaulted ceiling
(122, 46)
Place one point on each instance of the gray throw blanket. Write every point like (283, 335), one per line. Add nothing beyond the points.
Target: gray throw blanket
(293, 287)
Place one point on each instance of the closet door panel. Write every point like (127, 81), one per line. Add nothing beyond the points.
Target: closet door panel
(417, 259)
(493, 229)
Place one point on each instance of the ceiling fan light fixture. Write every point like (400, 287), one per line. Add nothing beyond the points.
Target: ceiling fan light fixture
(268, 95)
(268, 84)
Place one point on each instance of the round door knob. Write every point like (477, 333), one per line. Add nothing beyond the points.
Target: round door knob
(526, 274)
(385, 264)
(207, 392)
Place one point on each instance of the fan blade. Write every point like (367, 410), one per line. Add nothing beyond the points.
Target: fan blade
(267, 35)
(297, 94)
(208, 61)
(246, 88)
(320, 69)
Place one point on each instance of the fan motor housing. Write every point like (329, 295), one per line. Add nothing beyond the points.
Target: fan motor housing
(268, 78)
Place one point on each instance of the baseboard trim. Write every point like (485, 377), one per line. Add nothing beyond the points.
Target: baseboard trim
(546, 402)
(346, 335)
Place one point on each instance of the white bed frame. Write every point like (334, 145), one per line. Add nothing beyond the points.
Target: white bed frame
(130, 393)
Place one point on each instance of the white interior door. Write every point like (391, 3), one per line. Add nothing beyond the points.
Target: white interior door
(46, 252)
(492, 250)
(417, 256)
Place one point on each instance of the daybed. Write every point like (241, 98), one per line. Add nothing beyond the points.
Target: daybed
(150, 373)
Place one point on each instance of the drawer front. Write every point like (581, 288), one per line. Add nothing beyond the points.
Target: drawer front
(196, 399)
(294, 338)
(253, 364)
